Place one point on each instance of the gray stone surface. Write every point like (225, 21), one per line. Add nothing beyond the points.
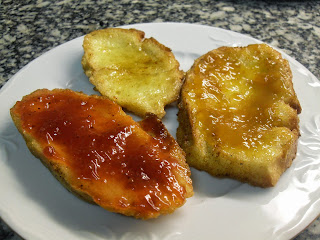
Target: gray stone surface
(30, 28)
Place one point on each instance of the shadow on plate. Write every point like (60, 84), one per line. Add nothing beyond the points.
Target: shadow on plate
(207, 186)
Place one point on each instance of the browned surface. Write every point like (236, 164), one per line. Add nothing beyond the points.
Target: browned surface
(238, 114)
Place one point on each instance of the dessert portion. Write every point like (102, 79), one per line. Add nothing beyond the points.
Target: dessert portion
(138, 73)
(101, 155)
(238, 114)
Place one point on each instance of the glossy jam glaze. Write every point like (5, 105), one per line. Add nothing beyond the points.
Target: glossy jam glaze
(236, 91)
(101, 145)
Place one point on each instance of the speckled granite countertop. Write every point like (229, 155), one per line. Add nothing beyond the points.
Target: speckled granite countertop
(30, 28)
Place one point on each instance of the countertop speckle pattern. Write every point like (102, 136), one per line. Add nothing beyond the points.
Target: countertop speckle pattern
(30, 28)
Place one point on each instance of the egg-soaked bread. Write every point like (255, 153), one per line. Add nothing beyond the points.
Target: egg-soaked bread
(100, 154)
(138, 73)
(238, 115)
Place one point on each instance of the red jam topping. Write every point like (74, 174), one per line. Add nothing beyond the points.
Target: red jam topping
(100, 143)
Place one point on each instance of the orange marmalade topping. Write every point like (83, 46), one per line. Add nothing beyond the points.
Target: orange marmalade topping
(99, 143)
(234, 90)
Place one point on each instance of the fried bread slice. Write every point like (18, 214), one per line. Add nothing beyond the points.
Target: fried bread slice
(101, 155)
(238, 114)
(138, 73)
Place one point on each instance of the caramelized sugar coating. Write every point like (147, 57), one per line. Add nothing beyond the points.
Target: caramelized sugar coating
(102, 155)
(138, 73)
(238, 114)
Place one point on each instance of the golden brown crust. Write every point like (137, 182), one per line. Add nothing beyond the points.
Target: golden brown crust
(114, 191)
(222, 155)
(140, 74)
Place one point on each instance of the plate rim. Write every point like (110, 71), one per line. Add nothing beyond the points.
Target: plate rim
(5, 87)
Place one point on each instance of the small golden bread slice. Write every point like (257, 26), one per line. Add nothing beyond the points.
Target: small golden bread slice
(101, 155)
(238, 114)
(138, 73)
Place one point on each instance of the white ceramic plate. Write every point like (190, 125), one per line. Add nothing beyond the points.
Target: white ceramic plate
(36, 206)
